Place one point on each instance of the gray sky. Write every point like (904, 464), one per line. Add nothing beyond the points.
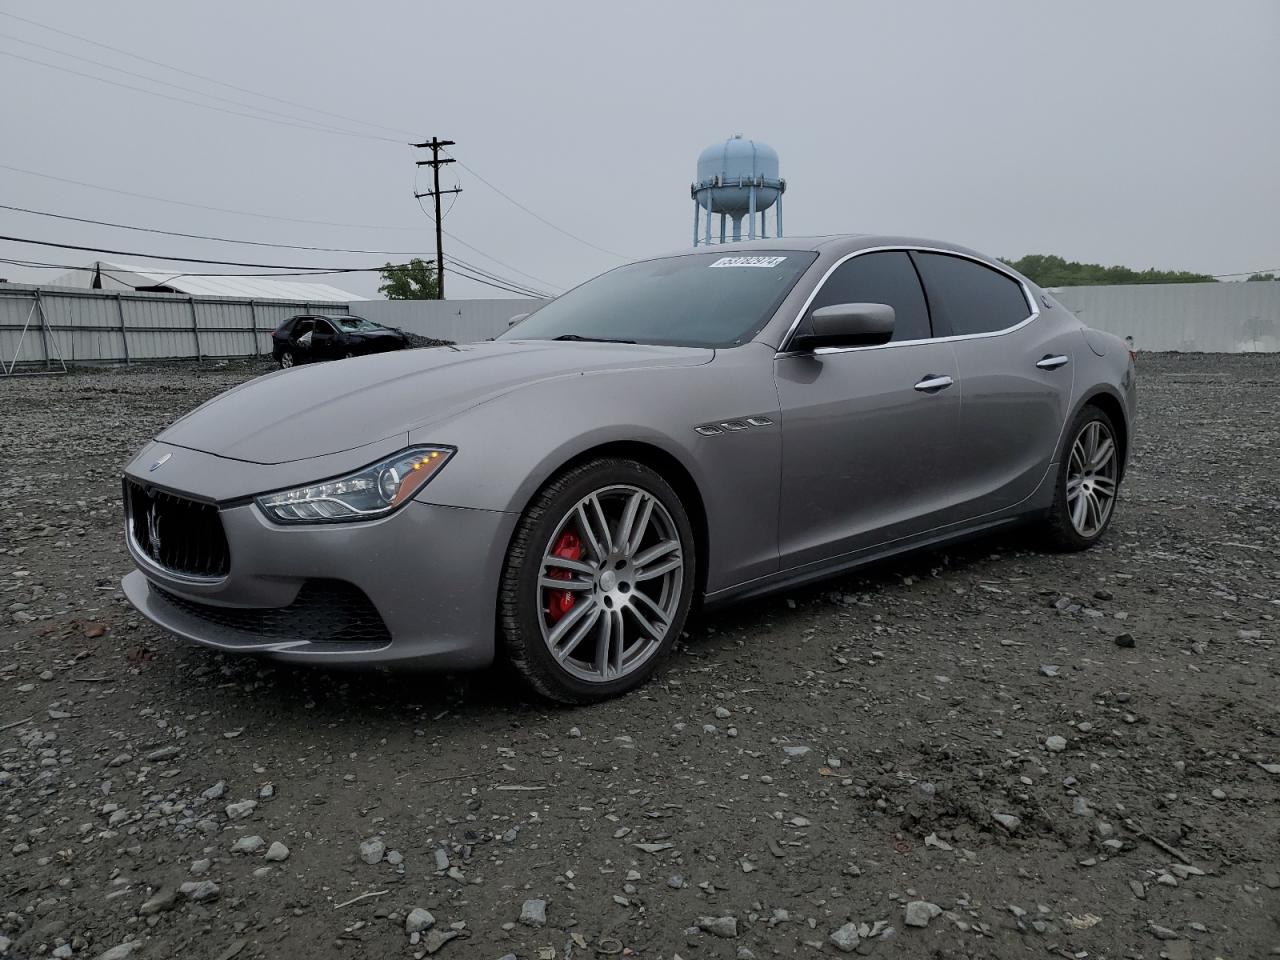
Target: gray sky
(1141, 133)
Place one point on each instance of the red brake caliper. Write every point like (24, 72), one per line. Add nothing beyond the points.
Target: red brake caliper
(560, 602)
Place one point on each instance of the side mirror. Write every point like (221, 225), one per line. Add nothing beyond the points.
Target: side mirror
(845, 325)
(516, 319)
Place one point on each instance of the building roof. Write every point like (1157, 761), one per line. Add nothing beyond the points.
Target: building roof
(124, 275)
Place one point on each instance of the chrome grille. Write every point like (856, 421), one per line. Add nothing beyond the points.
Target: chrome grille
(180, 535)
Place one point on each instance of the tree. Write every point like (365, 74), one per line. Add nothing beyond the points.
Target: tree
(1265, 276)
(415, 280)
(1049, 270)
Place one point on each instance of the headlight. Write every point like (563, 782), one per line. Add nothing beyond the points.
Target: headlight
(372, 492)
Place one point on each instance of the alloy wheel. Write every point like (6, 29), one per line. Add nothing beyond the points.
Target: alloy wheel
(286, 360)
(1091, 478)
(610, 583)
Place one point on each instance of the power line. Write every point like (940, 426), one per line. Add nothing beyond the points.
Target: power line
(304, 124)
(45, 265)
(177, 86)
(201, 76)
(203, 236)
(539, 217)
(161, 256)
(196, 103)
(256, 215)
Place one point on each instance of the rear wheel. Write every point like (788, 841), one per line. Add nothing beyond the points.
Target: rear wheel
(598, 581)
(286, 359)
(1088, 483)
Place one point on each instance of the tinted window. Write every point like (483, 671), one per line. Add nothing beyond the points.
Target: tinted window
(697, 300)
(880, 278)
(303, 325)
(322, 326)
(969, 297)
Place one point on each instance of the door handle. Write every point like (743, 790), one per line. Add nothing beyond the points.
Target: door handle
(1052, 363)
(933, 383)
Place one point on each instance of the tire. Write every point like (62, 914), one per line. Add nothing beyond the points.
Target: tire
(617, 589)
(286, 359)
(1082, 485)
(348, 355)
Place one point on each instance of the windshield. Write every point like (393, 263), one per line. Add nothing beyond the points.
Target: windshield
(356, 323)
(696, 300)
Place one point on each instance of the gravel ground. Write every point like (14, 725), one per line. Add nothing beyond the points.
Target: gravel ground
(983, 752)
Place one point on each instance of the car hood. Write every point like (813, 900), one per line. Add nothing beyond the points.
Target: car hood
(327, 408)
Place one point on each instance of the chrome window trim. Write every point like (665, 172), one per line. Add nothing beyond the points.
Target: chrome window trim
(782, 351)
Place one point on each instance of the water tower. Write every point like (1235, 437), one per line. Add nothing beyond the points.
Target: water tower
(737, 178)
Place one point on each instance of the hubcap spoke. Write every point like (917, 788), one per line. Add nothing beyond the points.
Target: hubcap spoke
(565, 623)
(666, 566)
(579, 633)
(574, 566)
(551, 583)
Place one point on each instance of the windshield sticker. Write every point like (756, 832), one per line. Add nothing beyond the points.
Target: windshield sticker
(749, 261)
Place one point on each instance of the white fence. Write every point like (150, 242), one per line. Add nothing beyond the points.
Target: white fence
(1183, 317)
(460, 321)
(41, 327)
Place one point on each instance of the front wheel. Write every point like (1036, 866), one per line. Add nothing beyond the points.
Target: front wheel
(598, 581)
(1087, 484)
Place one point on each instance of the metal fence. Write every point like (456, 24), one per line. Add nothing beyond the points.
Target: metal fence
(1183, 317)
(41, 328)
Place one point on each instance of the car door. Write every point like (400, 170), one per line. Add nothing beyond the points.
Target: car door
(300, 339)
(1017, 367)
(867, 432)
(324, 341)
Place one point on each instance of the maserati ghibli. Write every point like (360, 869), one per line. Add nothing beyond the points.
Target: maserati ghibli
(681, 431)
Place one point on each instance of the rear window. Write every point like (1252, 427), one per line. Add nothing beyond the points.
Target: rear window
(970, 297)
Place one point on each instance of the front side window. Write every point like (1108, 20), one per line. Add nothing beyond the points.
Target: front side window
(885, 277)
(970, 297)
(352, 324)
(695, 300)
(323, 328)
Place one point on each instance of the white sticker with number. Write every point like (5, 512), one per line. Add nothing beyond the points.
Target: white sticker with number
(748, 261)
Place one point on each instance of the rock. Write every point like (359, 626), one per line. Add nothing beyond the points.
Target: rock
(419, 919)
(122, 951)
(437, 939)
(1081, 808)
(371, 851)
(1162, 933)
(726, 927)
(920, 912)
(164, 753)
(846, 939)
(163, 899)
(201, 866)
(200, 891)
(533, 913)
(722, 713)
(216, 791)
(248, 845)
(1007, 820)
(795, 750)
(238, 811)
(277, 852)
(1125, 641)
(1050, 669)
(1056, 744)
(442, 859)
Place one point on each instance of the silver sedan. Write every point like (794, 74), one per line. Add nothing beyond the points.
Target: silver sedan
(694, 428)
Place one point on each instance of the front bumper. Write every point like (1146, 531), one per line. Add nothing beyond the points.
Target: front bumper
(430, 572)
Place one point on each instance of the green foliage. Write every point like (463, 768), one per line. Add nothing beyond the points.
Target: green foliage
(1052, 271)
(415, 280)
(1265, 276)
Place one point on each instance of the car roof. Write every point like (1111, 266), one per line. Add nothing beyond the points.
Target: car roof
(838, 244)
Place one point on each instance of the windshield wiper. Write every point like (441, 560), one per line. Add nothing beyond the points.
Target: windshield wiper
(580, 338)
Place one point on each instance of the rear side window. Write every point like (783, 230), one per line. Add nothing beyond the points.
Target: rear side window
(969, 297)
(886, 277)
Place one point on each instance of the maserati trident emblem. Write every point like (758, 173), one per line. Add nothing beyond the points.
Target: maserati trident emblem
(159, 463)
(153, 527)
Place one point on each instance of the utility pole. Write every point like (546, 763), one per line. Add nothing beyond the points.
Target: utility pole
(435, 145)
